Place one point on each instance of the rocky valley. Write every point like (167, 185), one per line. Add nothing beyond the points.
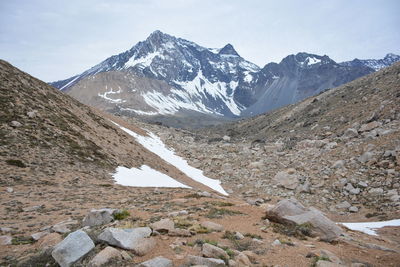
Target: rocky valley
(292, 181)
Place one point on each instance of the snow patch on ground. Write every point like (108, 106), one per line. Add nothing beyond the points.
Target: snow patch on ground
(144, 177)
(370, 227)
(154, 144)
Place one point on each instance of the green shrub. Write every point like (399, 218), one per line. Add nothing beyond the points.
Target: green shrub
(120, 215)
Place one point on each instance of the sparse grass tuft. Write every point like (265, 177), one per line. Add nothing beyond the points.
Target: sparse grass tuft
(299, 231)
(22, 240)
(219, 213)
(220, 203)
(253, 236)
(318, 258)
(123, 214)
(193, 195)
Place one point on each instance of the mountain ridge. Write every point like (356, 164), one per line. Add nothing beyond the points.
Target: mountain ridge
(211, 81)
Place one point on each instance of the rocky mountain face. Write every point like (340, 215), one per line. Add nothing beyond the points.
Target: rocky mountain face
(375, 64)
(168, 77)
(61, 206)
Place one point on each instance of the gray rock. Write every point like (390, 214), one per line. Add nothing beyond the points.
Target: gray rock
(276, 243)
(178, 213)
(367, 156)
(16, 124)
(31, 114)
(211, 251)
(156, 262)
(105, 256)
(338, 164)
(10, 190)
(370, 126)
(98, 217)
(350, 132)
(72, 248)
(376, 191)
(212, 226)
(290, 211)
(322, 263)
(362, 184)
(287, 180)
(355, 191)
(353, 209)
(343, 205)
(239, 236)
(39, 235)
(5, 240)
(226, 138)
(164, 225)
(64, 227)
(131, 239)
(210, 262)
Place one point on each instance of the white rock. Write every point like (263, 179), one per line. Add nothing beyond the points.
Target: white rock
(156, 262)
(98, 217)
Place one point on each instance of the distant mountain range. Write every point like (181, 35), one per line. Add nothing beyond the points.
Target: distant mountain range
(169, 76)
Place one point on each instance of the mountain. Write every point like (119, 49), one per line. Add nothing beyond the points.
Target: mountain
(297, 77)
(375, 64)
(166, 77)
(173, 74)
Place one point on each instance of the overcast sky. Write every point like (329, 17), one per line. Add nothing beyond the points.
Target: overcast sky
(54, 40)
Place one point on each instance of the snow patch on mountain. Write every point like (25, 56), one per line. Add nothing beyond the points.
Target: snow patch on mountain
(111, 92)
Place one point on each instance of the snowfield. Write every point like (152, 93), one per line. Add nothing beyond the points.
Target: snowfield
(154, 144)
(144, 177)
(370, 227)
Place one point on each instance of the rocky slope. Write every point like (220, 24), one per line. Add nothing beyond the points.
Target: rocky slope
(61, 206)
(165, 77)
(376, 64)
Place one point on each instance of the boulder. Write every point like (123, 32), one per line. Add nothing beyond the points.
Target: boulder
(375, 191)
(212, 226)
(163, 226)
(210, 262)
(64, 227)
(292, 212)
(131, 239)
(72, 248)
(39, 235)
(105, 256)
(16, 124)
(287, 180)
(99, 217)
(156, 262)
(179, 232)
(210, 251)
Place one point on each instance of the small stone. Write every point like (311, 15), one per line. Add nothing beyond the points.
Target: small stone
(353, 209)
(350, 132)
(163, 226)
(105, 256)
(226, 138)
(239, 236)
(362, 184)
(211, 251)
(343, 205)
(370, 126)
(375, 191)
(276, 243)
(31, 114)
(242, 259)
(355, 191)
(10, 189)
(39, 235)
(16, 124)
(338, 164)
(156, 262)
(179, 232)
(287, 180)
(98, 217)
(209, 262)
(367, 156)
(5, 240)
(212, 226)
